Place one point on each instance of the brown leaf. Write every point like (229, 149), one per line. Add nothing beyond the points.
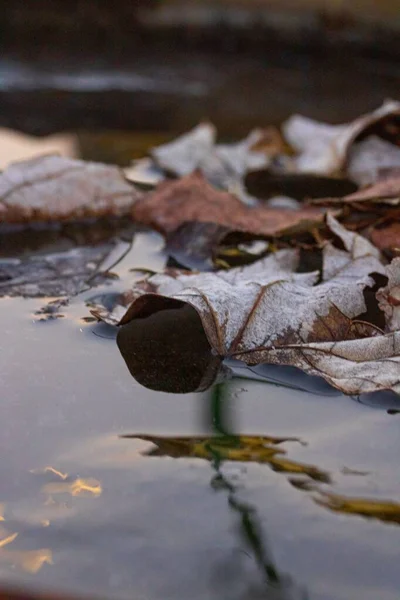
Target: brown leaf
(193, 199)
(387, 190)
(269, 313)
(52, 188)
(387, 238)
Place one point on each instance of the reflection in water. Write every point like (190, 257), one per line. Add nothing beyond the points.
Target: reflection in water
(227, 446)
(264, 450)
(32, 561)
(28, 560)
(168, 350)
(52, 470)
(78, 487)
(278, 586)
(382, 510)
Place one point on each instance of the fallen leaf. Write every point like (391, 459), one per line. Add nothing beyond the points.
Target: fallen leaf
(185, 154)
(389, 296)
(387, 191)
(352, 147)
(202, 246)
(53, 188)
(268, 313)
(386, 238)
(223, 165)
(57, 274)
(167, 360)
(193, 199)
(366, 159)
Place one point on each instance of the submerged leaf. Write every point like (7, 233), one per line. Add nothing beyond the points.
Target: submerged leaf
(53, 188)
(57, 274)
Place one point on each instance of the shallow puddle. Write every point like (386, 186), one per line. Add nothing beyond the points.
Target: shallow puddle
(164, 514)
(102, 517)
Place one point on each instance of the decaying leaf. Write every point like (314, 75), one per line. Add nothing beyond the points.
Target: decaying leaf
(242, 449)
(221, 164)
(203, 246)
(57, 274)
(166, 360)
(53, 188)
(387, 238)
(268, 313)
(385, 191)
(360, 148)
(389, 296)
(192, 244)
(193, 199)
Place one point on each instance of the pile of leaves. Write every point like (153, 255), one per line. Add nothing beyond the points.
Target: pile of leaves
(286, 244)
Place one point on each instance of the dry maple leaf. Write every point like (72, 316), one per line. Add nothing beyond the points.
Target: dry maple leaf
(53, 188)
(360, 148)
(268, 313)
(193, 199)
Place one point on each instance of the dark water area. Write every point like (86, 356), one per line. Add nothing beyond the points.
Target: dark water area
(163, 87)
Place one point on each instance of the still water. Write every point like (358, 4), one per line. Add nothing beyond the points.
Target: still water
(86, 511)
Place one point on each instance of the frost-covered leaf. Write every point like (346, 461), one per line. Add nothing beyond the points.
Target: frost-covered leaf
(192, 198)
(269, 313)
(329, 149)
(185, 154)
(369, 157)
(223, 165)
(53, 188)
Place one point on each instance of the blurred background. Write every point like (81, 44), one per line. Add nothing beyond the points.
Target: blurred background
(114, 78)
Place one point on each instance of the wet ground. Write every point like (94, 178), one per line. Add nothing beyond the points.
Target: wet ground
(86, 511)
